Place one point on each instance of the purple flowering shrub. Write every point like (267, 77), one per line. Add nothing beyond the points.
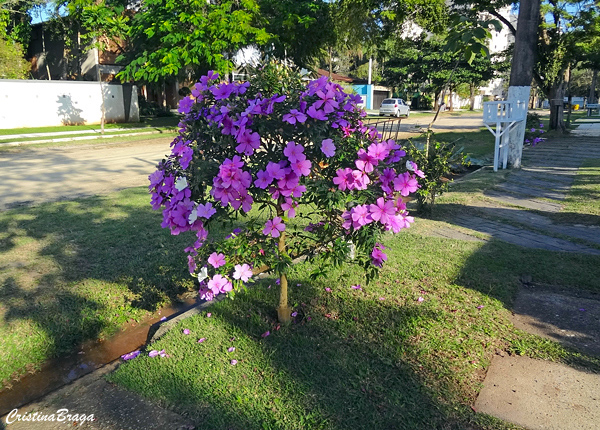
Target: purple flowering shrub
(534, 129)
(292, 166)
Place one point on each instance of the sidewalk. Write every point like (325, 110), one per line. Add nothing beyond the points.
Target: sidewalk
(532, 393)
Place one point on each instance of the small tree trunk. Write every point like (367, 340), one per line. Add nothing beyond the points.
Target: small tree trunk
(557, 96)
(45, 53)
(592, 96)
(472, 88)
(283, 311)
(330, 63)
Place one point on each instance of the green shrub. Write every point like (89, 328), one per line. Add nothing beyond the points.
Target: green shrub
(436, 163)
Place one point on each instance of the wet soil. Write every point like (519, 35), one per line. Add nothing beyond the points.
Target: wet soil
(91, 356)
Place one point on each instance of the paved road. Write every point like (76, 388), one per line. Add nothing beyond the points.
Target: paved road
(36, 175)
(32, 176)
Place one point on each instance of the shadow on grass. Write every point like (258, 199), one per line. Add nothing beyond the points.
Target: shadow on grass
(81, 269)
(350, 364)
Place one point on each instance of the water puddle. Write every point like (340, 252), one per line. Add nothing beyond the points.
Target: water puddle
(91, 356)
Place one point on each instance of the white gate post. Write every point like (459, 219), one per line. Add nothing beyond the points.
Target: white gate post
(517, 95)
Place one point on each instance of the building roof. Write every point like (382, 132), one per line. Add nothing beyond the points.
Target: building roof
(335, 76)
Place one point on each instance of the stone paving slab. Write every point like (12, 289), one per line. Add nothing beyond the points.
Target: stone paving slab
(570, 317)
(558, 186)
(520, 236)
(113, 408)
(524, 201)
(526, 175)
(540, 395)
(590, 233)
(551, 171)
(543, 193)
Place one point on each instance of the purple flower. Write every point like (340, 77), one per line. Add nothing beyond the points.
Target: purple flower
(186, 331)
(248, 142)
(328, 289)
(382, 211)
(294, 314)
(420, 299)
(327, 101)
(233, 362)
(219, 284)
(130, 355)
(378, 256)
(356, 287)
(208, 315)
(231, 349)
(294, 116)
(412, 166)
(301, 167)
(185, 105)
(480, 307)
(263, 179)
(344, 179)
(275, 170)
(294, 152)
(274, 227)
(222, 91)
(316, 114)
(163, 319)
(328, 147)
(205, 210)
(243, 272)
(360, 216)
(216, 260)
(201, 340)
(265, 334)
(406, 184)
(153, 353)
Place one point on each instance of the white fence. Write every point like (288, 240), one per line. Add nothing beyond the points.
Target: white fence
(29, 103)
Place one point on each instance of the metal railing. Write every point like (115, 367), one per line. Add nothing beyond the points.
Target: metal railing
(388, 128)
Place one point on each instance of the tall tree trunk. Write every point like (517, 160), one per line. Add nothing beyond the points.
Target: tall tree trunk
(592, 96)
(521, 72)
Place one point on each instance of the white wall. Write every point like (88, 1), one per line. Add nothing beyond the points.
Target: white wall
(29, 103)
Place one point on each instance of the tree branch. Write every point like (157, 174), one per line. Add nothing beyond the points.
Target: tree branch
(504, 21)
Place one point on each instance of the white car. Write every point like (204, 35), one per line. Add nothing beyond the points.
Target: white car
(394, 107)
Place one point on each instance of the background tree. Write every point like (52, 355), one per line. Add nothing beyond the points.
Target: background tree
(171, 38)
(12, 34)
(299, 29)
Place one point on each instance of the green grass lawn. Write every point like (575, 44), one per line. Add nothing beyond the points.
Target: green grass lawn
(78, 270)
(582, 204)
(355, 359)
(161, 123)
(106, 140)
(477, 144)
